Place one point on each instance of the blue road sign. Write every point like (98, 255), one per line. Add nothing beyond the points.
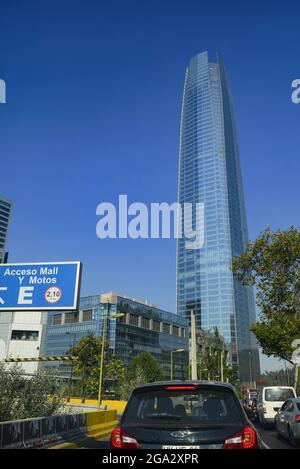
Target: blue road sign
(41, 286)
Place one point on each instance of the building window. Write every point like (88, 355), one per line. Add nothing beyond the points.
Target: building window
(122, 319)
(166, 328)
(71, 318)
(146, 323)
(25, 335)
(87, 315)
(156, 326)
(56, 319)
(134, 320)
(175, 330)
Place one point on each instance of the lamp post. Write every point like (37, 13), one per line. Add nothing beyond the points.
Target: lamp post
(179, 350)
(72, 363)
(104, 326)
(250, 365)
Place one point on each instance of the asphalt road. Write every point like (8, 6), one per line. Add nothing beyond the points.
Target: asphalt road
(271, 440)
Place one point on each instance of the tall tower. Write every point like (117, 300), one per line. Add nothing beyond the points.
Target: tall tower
(5, 213)
(210, 173)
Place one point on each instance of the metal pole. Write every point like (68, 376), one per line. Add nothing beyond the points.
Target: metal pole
(102, 355)
(222, 369)
(193, 353)
(171, 365)
(72, 366)
(250, 365)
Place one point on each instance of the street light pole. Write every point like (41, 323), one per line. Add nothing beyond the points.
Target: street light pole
(250, 365)
(179, 350)
(222, 368)
(102, 354)
(72, 363)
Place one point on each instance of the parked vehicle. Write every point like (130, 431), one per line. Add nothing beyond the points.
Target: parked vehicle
(250, 394)
(271, 400)
(180, 415)
(287, 421)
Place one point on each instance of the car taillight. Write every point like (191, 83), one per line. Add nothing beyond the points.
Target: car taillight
(245, 439)
(181, 388)
(121, 440)
(297, 418)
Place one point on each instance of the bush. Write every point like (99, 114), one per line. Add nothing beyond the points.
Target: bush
(22, 398)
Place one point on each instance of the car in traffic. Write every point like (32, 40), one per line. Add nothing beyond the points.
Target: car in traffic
(270, 402)
(287, 421)
(184, 415)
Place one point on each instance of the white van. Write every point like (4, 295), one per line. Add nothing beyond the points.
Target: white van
(271, 400)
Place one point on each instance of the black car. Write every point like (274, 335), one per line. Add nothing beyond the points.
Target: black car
(184, 415)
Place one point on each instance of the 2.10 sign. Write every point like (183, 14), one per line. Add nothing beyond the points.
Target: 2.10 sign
(40, 287)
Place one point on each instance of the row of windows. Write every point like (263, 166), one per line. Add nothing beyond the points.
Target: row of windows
(71, 318)
(25, 335)
(158, 326)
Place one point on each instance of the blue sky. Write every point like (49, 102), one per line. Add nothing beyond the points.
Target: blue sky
(94, 92)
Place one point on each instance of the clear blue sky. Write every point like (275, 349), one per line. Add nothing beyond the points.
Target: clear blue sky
(94, 93)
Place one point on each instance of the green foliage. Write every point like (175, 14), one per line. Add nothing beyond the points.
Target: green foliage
(115, 370)
(272, 264)
(22, 398)
(151, 369)
(87, 367)
(88, 364)
(211, 349)
(142, 369)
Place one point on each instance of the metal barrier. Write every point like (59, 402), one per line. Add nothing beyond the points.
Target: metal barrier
(46, 431)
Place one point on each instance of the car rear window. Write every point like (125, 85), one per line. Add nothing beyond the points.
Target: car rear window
(298, 405)
(196, 406)
(278, 395)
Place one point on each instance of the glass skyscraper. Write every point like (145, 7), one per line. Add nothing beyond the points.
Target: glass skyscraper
(210, 173)
(5, 213)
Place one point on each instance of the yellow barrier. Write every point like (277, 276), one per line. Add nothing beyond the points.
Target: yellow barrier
(119, 406)
(99, 424)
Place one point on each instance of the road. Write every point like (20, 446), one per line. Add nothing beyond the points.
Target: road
(271, 440)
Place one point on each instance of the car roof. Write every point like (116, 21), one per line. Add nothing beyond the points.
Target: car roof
(278, 387)
(184, 383)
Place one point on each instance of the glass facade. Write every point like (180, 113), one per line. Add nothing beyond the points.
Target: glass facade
(209, 173)
(5, 213)
(139, 330)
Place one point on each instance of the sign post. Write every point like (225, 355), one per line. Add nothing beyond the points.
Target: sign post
(45, 286)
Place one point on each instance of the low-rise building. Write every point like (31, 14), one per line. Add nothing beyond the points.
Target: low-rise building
(143, 328)
(21, 333)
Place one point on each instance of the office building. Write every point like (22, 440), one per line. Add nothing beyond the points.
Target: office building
(143, 328)
(210, 173)
(5, 214)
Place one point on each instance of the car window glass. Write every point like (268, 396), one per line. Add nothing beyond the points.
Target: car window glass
(199, 406)
(277, 395)
(284, 407)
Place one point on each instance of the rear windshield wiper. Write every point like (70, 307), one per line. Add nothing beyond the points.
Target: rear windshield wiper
(163, 416)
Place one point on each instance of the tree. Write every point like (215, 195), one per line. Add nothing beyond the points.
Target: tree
(131, 381)
(115, 373)
(272, 264)
(142, 369)
(22, 398)
(87, 365)
(151, 369)
(212, 354)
